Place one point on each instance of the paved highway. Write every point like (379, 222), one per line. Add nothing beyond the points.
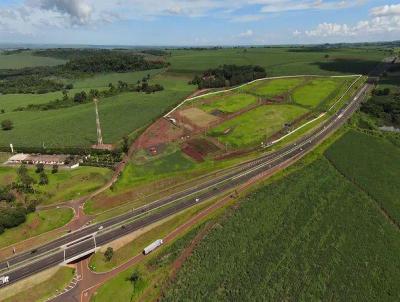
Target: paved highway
(84, 241)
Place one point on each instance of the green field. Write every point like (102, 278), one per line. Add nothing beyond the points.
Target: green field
(252, 127)
(76, 127)
(36, 223)
(280, 61)
(318, 91)
(228, 103)
(311, 236)
(102, 80)
(274, 87)
(65, 185)
(373, 164)
(26, 59)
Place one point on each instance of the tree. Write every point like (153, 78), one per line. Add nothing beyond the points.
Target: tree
(109, 254)
(7, 125)
(43, 179)
(134, 277)
(55, 169)
(69, 86)
(39, 168)
(3, 111)
(125, 144)
(326, 56)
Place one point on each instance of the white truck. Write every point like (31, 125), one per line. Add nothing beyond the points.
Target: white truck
(152, 246)
(4, 280)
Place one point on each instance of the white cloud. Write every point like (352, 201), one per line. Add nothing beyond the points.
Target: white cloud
(385, 19)
(79, 11)
(247, 18)
(246, 34)
(274, 6)
(386, 10)
(330, 29)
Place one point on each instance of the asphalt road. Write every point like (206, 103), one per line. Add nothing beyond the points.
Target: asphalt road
(87, 239)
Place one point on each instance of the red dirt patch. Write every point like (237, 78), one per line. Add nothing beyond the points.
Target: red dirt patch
(199, 148)
(161, 132)
(193, 153)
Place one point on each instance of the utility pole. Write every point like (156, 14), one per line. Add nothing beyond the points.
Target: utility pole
(99, 135)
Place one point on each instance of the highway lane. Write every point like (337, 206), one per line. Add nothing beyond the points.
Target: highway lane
(52, 254)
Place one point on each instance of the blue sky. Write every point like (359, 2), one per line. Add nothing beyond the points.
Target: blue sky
(198, 22)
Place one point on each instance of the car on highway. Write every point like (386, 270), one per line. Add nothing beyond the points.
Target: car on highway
(4, 280)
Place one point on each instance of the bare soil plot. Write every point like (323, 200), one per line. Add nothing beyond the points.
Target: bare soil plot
(198, 117)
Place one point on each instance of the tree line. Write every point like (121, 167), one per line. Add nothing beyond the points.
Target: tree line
(44, 79)
(228, 75)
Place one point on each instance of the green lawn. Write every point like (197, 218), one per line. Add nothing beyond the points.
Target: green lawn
(37, 223)
(280, 61)
(371, 163)
(172, 163)
(318, 91)
(64, 185)
(311, 236)
(26, 59)
(228, 103)
(75, 126)
(252, 127)
(69, 184)
(274, 87)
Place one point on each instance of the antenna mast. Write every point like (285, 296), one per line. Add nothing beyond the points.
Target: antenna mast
(99, 135)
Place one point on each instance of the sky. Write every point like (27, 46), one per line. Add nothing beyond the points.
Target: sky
(198, 22)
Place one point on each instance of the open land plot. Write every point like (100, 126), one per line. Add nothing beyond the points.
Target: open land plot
(26, 59)
(318, 91)
(280, 61)
(254, 126)
(227, 103)
(76, 126)
(36, 223)
(198, 117)
(64, 185)
(373, 164)
(273, 87)
(312, 235)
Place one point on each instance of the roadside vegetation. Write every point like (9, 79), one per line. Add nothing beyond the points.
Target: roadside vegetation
(35, 224)
(46, 289)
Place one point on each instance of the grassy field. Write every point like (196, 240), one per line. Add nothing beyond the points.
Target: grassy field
(228, 103)
(318, 91)
(26, 59)
(75, 126)
(280, 61)
(37, 223)
(252, 127)
(102, 80)
(65, 185)
(373, 164)
(310, 236)
(46, 289)
(271, 88)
